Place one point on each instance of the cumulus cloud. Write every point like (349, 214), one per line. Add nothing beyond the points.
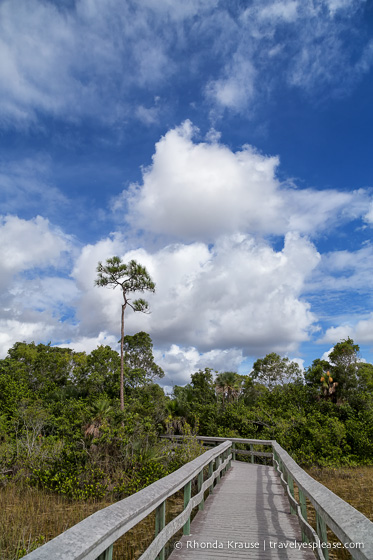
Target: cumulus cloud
(180, 363)
(87, 344)
(213, 306)
(13, 330)
(238, 294)
(198, 190)
(202, 190)
(28, 244)
(359, 330)
(33, 297)
(223, 291)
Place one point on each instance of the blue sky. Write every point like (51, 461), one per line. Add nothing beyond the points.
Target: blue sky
(225, 145)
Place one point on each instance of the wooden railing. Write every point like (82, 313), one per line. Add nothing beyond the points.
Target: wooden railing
(206, 440)
(349, 525)
(93, 538)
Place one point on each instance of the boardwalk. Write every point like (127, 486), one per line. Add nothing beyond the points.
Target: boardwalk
(247, 517)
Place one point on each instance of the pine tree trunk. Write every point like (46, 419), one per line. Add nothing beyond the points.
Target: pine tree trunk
(122, 359)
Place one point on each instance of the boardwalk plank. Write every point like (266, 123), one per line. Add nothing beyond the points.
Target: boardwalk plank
(247, 509)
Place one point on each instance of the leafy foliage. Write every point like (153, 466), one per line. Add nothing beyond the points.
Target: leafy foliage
(62, 426)
(274, 370)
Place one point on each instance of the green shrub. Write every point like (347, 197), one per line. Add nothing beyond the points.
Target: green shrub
(81, 484)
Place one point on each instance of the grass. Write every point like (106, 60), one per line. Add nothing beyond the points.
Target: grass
(354, 485)
(29, 516)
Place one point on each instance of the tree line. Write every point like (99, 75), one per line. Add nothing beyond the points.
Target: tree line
(63, 426)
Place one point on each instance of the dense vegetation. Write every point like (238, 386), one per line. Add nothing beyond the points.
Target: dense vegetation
(62, 427)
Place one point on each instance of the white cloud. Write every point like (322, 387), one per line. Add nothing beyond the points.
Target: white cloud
(369, 215)
(299, 362)
(326, 354)
(75, 62)
(95, 59)
(220, 288)
(310, 47)
(13, 330)
(148, 115)
(286, 11)
(26, 184)
(335, 6)
(344, 271)
(323, 61)
(88, 344)
(311, 211)
(361, 331)
(97, 308)
(212, 306)
(196, 191)
(237, 86)
(239, 294)
(202, 190)
(33, 297)
(180, 363)
(28, 244)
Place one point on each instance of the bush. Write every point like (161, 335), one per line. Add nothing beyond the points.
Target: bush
(79, 484)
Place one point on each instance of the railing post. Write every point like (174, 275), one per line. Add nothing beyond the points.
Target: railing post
(291, 488)
(252, 449)
(234, 451)
(217, 463)
(187, 496)
(322, 532)
(107, 554)
(211, 471)
(160, 521)
(225, 455)
(200, 482)
(303, 508)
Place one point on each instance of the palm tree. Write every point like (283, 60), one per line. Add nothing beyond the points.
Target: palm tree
(99, 410)
(228, 384)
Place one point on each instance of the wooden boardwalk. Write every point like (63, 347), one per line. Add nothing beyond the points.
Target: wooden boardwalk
(246, 517)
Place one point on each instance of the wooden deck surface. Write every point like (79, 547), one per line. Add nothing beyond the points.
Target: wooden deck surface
(246, 517)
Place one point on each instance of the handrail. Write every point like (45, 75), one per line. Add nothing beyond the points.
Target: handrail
(93, 538)
(235, 451)
(348, 524)
(222, 439)
(308, 533)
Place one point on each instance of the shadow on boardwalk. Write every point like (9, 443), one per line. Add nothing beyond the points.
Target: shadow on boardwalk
(247, 516)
